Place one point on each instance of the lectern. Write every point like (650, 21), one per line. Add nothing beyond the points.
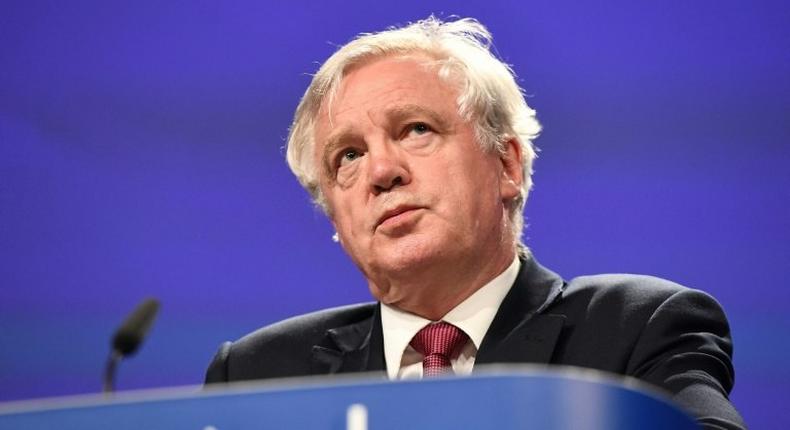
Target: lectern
(508, 398)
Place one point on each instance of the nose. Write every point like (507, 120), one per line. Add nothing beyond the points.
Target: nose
(387, 168)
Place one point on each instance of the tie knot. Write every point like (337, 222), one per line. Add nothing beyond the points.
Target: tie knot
(440, 338)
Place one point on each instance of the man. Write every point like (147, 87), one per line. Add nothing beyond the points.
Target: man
(417, 144)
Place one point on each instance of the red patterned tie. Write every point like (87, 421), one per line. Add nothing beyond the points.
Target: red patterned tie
(438, 343)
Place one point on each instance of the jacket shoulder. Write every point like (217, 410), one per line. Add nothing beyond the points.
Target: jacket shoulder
(624, 285)
(309, 326)
(623, 303)
(628, 294)
(283, 348)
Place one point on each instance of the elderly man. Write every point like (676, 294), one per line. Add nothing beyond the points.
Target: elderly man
(417, 143)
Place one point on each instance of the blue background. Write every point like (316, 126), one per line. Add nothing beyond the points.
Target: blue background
(141, 155)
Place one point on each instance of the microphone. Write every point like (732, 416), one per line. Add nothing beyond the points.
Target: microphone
(128, 337)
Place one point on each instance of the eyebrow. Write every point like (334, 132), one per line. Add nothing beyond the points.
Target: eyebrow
(404, 112)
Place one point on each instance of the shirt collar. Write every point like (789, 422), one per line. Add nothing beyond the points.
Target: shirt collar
(474, 315)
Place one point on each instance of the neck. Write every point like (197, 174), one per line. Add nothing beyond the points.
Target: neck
(433, 292)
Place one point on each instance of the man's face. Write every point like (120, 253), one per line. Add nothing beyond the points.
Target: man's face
(407, 186)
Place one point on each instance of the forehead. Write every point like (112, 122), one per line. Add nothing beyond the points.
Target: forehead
(384, 85)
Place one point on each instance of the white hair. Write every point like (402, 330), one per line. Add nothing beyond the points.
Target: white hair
(487, 94)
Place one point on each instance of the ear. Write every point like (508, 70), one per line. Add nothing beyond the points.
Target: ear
(512, 177)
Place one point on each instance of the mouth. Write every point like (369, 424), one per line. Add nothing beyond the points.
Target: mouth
(392, 215)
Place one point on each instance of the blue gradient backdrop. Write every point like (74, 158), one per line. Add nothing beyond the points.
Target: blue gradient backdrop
(141, 155)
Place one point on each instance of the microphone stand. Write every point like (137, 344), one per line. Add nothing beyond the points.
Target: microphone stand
(108, 381)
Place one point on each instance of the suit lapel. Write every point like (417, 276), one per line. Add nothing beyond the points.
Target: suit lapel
(357, 347)
(522, 331)
(532, 342)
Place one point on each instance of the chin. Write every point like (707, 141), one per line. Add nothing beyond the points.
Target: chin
(408, 255)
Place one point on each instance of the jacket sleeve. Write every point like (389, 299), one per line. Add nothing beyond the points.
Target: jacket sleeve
(685, 348)
(218, 369)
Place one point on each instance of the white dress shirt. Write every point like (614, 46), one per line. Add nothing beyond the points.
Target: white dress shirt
(474, 315)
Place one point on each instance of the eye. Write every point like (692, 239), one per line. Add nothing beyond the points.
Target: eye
(419, 128)
(348, 155)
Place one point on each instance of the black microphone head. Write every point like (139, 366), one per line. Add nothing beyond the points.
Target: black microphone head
(131, 333)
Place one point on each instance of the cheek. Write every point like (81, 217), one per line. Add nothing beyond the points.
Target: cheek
(459, 194)
(348, 217)
(472, 182)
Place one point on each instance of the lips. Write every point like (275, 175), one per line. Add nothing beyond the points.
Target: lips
(391, 213)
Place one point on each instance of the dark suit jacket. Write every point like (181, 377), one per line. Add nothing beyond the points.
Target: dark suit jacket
(672, 337)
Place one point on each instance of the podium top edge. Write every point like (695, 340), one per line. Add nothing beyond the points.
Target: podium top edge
(481, 373)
